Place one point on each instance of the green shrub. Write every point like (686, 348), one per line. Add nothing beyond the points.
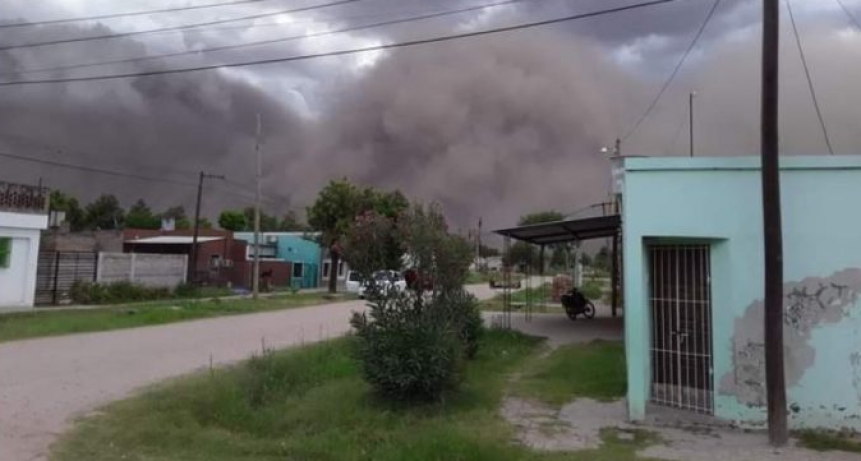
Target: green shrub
(408, 350)
(187, 290)
(592, 290)
(83, 292)
(461, 309)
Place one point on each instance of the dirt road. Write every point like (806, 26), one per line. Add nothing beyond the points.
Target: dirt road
(46, 383)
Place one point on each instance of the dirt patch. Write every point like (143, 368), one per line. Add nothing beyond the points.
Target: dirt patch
(578, 425)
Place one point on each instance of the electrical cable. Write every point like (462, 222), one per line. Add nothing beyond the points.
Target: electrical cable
(438, 39)
(123, 15)
(270, 41)
(122, 174)
(849, 14)
(809, 77)
(174, 28)
(675, 71)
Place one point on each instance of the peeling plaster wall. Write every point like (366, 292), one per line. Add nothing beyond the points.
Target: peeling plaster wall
(717, 201)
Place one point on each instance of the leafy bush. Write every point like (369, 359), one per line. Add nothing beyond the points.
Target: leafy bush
(119, 292)
(408, 349)
(461, 309)
(186, 290)
(592, 290)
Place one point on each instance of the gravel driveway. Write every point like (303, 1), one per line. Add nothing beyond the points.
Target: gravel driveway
(46, 383)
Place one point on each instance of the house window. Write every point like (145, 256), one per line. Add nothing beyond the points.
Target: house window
(298, 270)
(341, 269)
(215, 261)
(327, 269)
(5, 252)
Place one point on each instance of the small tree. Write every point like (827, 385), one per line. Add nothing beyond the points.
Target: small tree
(336, 209)
(411, 345)
(233, 221)
(75, 215)
(140, 216)
(291, 223)
(180, 219)
(371, 244)
(105, 213)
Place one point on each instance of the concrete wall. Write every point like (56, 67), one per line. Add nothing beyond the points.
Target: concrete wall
(153, 270)
(95, 241)
(717, 201)
(18, 281)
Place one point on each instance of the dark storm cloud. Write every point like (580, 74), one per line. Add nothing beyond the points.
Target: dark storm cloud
(495, 127)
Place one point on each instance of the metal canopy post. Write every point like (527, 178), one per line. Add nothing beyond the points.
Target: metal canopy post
(614, 275)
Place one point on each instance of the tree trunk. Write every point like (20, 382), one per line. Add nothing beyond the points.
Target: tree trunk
(333, 271)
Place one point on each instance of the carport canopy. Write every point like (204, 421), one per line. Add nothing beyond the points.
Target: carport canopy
(565, 231)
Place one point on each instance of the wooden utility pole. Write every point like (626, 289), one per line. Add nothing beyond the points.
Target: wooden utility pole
(255, 284)
(691, 113)
(775, 380)
(192, 270)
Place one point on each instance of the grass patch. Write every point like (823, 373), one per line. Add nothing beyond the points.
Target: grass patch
(22, 325)
(829, 441)
(595, 370)
(311, 404)
(519, 298)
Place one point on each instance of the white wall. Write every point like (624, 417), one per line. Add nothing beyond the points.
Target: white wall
(18, 281)
(153, 270)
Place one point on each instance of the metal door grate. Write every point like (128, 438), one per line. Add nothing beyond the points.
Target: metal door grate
(680, 303)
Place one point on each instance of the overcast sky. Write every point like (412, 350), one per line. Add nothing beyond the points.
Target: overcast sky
(532, 107)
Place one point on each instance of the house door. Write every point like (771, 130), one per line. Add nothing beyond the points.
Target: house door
(680, 304)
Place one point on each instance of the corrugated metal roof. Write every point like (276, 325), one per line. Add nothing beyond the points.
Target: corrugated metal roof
(565, 231)
(172, 240)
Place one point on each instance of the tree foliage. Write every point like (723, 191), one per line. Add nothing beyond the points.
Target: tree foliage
(233, 221)
(371, 244)
(540, 217)
(140, 216)
(177, 213)
(105, 213)
(412, 345)
(336, 209)
(75, 215)
(291, 223)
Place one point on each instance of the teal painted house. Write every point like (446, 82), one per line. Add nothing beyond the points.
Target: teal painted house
(297, 248)
(693, 272)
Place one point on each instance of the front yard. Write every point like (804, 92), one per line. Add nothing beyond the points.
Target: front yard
(44, 322)
(312, 404)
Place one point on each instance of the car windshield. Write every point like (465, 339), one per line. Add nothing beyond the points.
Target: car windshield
(381, 276)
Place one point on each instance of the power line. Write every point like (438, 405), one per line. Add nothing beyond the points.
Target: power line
(174, 28)
(809, 78)
(90, 169)
(675, 72)
(445, 38)
(273, 41)
(849, 14)
(119, 174)
(123, 15)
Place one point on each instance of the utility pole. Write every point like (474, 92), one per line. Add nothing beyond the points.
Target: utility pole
(256, 272)
(691, 113)
(775, 380)
(478, 247)
(192, 270)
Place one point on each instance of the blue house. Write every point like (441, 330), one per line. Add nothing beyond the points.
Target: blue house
(298, 248)
(693, 286)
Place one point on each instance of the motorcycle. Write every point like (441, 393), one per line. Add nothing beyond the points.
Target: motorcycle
(576, 303)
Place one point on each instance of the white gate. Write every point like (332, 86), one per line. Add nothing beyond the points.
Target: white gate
(680, 304)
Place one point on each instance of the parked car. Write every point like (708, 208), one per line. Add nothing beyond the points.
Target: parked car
(383, 279)
(355, 285)
(390, 279)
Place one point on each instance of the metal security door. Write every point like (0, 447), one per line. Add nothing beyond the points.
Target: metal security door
(680, 302)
